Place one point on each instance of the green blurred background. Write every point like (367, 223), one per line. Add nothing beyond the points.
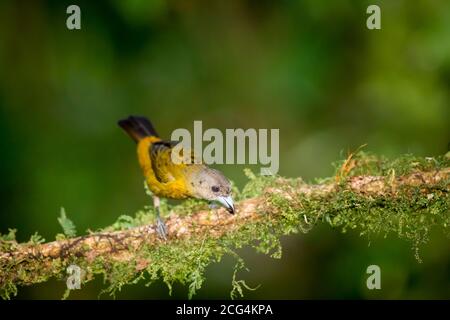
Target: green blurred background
(310, 68)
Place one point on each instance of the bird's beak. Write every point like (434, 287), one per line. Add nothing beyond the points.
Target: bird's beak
(227, 202)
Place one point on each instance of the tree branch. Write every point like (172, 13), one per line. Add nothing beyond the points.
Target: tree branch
(25, 264)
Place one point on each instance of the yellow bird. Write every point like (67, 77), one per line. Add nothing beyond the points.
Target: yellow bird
(173, 180)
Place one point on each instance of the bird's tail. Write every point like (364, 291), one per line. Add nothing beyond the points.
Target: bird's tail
(137, 127)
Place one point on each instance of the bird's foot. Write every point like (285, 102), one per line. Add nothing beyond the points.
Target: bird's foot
(161, 228)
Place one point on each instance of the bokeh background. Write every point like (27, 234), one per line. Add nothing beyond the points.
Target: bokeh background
(310, 68)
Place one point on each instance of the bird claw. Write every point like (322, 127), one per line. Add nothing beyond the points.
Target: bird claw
(161, 228)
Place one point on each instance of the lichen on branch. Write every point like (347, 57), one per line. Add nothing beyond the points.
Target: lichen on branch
(407, 196)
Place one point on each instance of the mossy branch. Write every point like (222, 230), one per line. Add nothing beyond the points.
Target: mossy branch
(407, 196)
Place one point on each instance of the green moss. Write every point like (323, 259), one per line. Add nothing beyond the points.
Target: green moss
(410, 215)
(256, 185)
(36, 239)
(366, 163)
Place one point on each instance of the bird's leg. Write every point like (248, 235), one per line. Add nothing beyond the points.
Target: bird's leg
(161, 228)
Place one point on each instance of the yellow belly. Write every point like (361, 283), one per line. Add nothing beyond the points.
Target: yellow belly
(175, 189)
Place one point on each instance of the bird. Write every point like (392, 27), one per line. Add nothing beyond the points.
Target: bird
(174, 179)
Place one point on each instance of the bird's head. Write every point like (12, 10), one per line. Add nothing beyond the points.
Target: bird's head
(211, 185)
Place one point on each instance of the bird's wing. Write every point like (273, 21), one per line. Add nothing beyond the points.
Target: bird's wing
(161, 157)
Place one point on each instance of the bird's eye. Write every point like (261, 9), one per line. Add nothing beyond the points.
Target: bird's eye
(215, 188)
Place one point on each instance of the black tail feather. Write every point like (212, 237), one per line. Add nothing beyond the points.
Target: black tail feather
(137, 127)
